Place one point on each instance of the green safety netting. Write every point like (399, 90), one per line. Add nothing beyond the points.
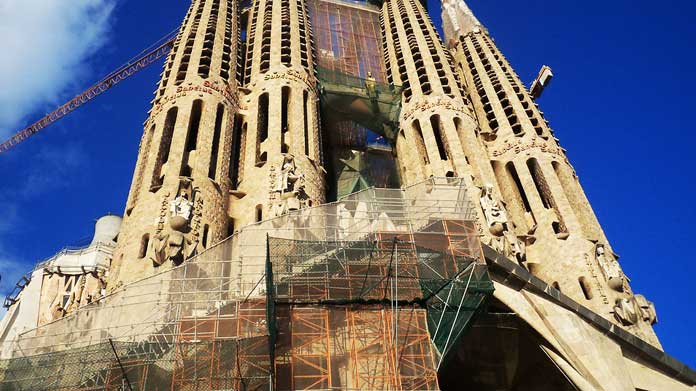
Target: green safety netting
(145, 366)
(440, 272)
(372, 104)
(357, 170)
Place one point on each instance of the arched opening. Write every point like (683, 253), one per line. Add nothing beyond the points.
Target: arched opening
(305, 98)
(284, 124)
(206, 232)
(586, 288)
(214, 151)
(164, 147)
(259, 213)
(420, 142)
(262, 128)
(546, 196)
(144, 244)
(191, 137)
(439, 139)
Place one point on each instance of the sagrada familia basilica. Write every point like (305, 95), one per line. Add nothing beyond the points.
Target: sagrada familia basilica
(329, 195)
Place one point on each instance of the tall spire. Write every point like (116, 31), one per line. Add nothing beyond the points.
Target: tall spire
(458, 20)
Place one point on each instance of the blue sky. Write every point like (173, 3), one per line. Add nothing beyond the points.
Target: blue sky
(621, 103)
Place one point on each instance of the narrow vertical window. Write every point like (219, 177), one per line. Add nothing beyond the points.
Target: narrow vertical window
(305, 98)
(144, 244)
(214, 151)
(540, 183)
(230, 227)
(420, 142)
(235, 159)
(191, 136)
(206, 232)
(439, 140)
(262, 127)
(164, 147)
(518, 185)
(586, 288)
(547, 199)
(259, 213)
(284, 124)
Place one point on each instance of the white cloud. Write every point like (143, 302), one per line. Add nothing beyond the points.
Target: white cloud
(44, 46)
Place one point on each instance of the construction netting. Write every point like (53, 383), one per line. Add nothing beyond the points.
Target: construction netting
(348, 37)
(215, 364)
(439, 268)
(360, 289)
(363, 100)
(360, 111)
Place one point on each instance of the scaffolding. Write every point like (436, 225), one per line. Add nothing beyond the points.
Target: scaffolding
(368, 293)
(360, 110)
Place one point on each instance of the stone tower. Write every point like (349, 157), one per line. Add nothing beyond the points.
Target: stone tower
(374, 210)
(180, 192)
(438, 128)
(280, 159)
(547, 208)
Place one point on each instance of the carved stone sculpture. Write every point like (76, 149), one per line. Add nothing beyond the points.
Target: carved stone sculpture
(516, 247)
(371, 86)
(287, 189)
(172, 244)
(626, 311)
(495, 214)
(647, 309)
(634, 309)
(610, 267)
(180, 212)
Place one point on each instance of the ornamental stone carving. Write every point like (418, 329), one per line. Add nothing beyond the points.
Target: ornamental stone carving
(287, 188)
(610, 267)
(629, 311)
(493, 210)
(647, 309)
(172, 243)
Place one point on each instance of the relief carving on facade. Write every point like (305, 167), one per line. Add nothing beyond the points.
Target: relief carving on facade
(287, 188)
(521, 145)
(502, 239)
(172, 243)
(611, 269)
(632, 310)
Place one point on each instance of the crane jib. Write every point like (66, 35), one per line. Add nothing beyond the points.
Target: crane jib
(99, 88)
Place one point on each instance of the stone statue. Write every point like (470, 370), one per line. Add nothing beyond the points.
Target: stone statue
(287, 189)
(626, 311)
(647, 309)
(371, 86)
(495, 214)
(517, 248)
(180, 211)
(172, 244)
(610, 267)
(288, 175)
(57, 311)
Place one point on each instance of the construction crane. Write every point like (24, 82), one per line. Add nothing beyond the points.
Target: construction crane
(145, 58)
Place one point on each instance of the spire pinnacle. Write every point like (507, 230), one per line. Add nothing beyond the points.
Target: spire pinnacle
(458, 19)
